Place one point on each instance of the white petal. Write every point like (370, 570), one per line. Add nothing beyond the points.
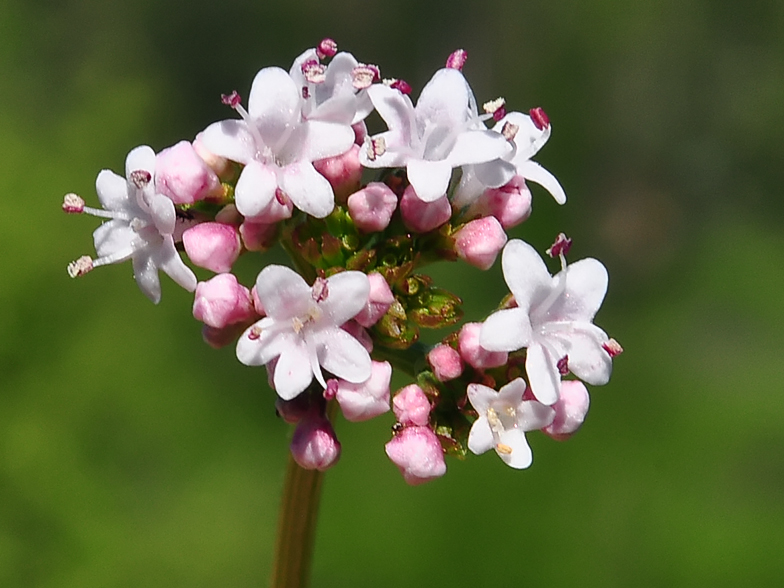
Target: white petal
(348, 295)
(444, 100)
(325, 139)
(112, 190)
(168, 260)
(480, 397)
(338, 80)
(295, 71)
(396, 154)
(587, 358)
(140, 158)
(274, 104)
(146, 275)
(292, 372)
(533, 415)
(269, 345)
(162, 212)
(531, 170)
(525, 274)
(478, 147)
(113, 237)
(396, 110)
(341, 354)
(512, 393)
(480, 438)
(506, 330)
(586, 285)
(542, 374)
(520, 456)
(496, 173)
(283, 293)
(231, 139)
(430, 179)
(308, 189)
(255, 188)
(528, 139)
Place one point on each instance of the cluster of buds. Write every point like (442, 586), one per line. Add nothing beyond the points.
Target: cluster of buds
(450, 181)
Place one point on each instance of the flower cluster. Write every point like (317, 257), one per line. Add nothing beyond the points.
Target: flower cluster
(446, 182)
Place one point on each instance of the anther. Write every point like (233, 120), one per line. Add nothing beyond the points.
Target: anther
(612, 347)
(254, 333)
(509, 130)
(496, 107)
(539, 118)
(364, 75)
(327, 48)
(80, 267)
(376, 148)
(140, 178)
(504, 449)
(457, 60)
(73, 204)
(331, 390)
(563, 365)
(561, 246)
(305, 93)
(320, 290)
(314, 71)
(232, 99)
(401, 86)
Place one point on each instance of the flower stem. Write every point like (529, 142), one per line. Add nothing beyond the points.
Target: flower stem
(296, 527)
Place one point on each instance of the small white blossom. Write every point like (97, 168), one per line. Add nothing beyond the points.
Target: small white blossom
(302, 329)
(553, 320)
(141, 227)
(504, 418)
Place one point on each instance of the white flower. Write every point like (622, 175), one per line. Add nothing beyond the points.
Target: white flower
(553, 320)
(277, 147)
(504, 418)
(302, 329)
(434, 137)
(141, 227)
(528, 136)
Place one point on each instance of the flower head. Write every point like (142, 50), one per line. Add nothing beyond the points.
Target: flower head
(302, 329)
(553, 320)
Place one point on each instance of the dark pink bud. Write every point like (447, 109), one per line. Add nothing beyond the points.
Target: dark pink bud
(446, 362)
(379, 301)
(331, 390)
(411, 406)
(457, 59)
(213, 246)
(539, 118)
(372, 207)
(420, 216)
(315, 445)
(222, 301)
(343, 172)
(479, 242)
(183, 176)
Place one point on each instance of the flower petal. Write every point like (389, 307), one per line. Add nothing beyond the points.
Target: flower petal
(274, 105)
(542, 374)
(496, 173)
(283, 293)
(348, 295)
(517, 453)
(341, 354)
(168, 260)
(140, 158)
(112, 191)
(325, 139)
(531, 170)
(533, 415)
(506, 330)
(292, 371)
(255, 189)
(478, 147)
(529, 139)
(265, 348)
(587, 358)
(444, 100)
(146, 275)
(396, 110)
(231, 139)
(430, 179)
(114, 237)
(308, 189)
(525, 274)
(481, 396)
(586, 285)
(480, 438)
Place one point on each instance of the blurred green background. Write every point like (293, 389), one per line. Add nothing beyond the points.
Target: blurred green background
(131, 454)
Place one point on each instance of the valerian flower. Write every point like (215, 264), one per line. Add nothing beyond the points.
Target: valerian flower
(141, 226)
(504, 418)
(553, 320)
(434, 137)
(302, 329)
(277, 147)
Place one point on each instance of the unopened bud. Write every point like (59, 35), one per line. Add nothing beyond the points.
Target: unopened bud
(570, 410)
(417, 453)
(446, 362)
(479, 242)
(473, 353)
(315, 445)
(411, 406)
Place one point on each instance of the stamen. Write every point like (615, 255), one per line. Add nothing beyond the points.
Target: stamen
(504, 449)
(376, 148)
(314, 71)
(509, 131)
(539, 118)
(80, 267)
(496, 107)
(331, 390)
(140, 178)
(232, 99)
(281, 197)
(401, 86)
(254, 333)
(364, 75)
(457, 60)
(612, 347)
(320, 290)
(561, 246)
(327, 48)
(297, 324)
(73, 204)
(563, 365)
(305, 93)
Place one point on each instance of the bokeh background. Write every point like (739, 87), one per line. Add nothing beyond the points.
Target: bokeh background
(131, 454)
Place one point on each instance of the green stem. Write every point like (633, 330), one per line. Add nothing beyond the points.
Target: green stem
(410, 361)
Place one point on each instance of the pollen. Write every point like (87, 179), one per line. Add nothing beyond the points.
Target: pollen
(504, 449)
(80, 267)
(73, 204)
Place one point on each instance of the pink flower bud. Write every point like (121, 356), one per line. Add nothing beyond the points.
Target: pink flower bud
(510, 204)
(417, 452)
(213, 246)
(570, 410)
(221, 166)
(294, 410)
(315, 445)
(411, 406)
(372, 207)
(446, 362)
(222, 301)
(257, 305)
(220, 337)
(360, 402)
(479, 242)
(473, 353)
(257, 236)
(279, 208)
(379, 301)
(183, 176)
(342, 171)
(420, 216)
